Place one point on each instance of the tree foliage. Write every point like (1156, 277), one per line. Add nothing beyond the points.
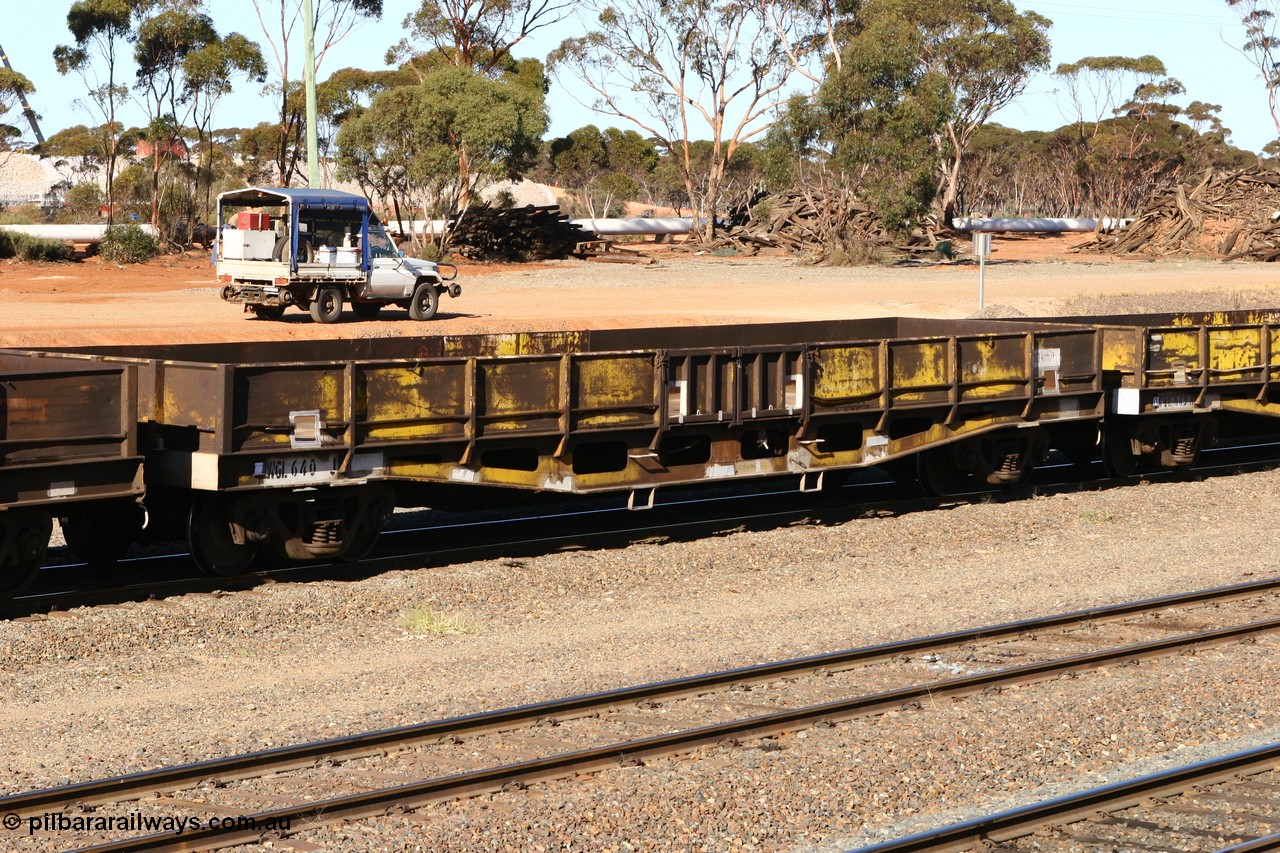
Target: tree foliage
(333, 21)
(680, 69)
(1261, 47)
(100, 28)
(985, 51)
(475, 34)
(604, 168)
(434, 145)
(13, 86)
(870, 130)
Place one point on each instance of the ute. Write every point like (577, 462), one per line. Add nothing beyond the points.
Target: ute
(318, 249)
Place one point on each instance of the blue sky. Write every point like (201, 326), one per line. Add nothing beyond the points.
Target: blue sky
(1196, 39)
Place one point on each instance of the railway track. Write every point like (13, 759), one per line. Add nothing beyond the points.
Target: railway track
(1229, 805)
(229, 801)
(687, 514)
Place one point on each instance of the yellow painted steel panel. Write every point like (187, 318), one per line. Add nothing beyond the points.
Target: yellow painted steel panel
(1173, 357)
(263, 397)
(615, 390)
(400, 402)
(519, 394)
(1235, 354)
(844, 375)
(920, 371)
(985, 364)
(514, 343)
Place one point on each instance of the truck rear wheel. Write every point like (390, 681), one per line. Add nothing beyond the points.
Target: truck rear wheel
(327, 306)
(425, 302)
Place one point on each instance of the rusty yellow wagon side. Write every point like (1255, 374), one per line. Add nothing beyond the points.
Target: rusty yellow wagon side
(304, 448)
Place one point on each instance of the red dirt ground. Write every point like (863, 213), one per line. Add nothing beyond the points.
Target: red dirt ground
(175, 298)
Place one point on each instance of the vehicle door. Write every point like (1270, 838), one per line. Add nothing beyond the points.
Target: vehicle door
(389, 277)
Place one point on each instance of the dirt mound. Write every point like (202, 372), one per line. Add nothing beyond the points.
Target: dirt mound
(1227, 215)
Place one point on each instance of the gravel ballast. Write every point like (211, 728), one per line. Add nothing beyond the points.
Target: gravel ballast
(96, 692)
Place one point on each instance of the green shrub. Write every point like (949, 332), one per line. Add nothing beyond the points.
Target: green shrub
(128, 244)
(27, 248)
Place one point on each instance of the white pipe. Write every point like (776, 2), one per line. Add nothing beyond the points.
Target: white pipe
(637, 225)
(1041, 224)
(602, 227)
(69, 233)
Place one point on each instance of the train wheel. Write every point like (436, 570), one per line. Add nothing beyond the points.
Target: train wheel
(362, 543)
(213, 549)
(99, 534)
(26, 537)
(16, 576)
(1117, 452)
(327, 306)
(939, 475)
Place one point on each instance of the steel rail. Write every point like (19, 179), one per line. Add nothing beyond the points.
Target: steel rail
(308, 754)
(977, 833)
(414, 795)
(133, 786)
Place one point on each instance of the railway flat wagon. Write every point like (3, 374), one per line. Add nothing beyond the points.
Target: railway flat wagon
(68, 449)
(304, 448)
(1176, 381)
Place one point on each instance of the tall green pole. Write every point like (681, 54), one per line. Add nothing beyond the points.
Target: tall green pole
(309, 83)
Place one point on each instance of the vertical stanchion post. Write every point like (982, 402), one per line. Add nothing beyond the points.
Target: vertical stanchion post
(982, 248)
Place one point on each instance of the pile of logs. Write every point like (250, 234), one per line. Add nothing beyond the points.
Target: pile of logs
(806, 223)
(515, 234)
(1228, 214)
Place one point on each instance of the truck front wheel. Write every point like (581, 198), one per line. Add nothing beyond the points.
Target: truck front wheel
(425, 302)
(327, 305)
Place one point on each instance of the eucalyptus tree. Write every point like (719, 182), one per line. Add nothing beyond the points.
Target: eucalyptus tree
(603, 167)
(209, 72)
(280, 20)
(865, 139)
(475, 34)
(985, 51)
(435, 144)
(1121, 144)
(1262, 47)
(183, 68)
(14, 86)
(679, 69)
(100, 29)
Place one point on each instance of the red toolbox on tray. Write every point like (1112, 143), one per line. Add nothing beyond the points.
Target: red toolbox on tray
(246, 221)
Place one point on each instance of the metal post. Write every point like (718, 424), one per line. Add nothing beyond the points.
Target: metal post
(309, 83)
(982, 248)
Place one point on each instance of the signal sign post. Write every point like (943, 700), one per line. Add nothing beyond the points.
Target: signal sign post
(982, 248)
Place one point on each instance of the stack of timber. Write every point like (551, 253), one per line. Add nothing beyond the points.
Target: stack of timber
(516, 234)
(804, 223)
(1232, 215)
(610, 252)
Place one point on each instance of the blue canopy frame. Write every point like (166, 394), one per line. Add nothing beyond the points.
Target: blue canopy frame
(296, 200)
